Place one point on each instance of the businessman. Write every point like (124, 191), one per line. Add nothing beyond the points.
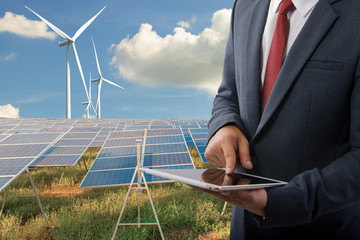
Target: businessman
(288, 108)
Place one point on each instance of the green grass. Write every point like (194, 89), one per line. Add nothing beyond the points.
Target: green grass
(74, 213)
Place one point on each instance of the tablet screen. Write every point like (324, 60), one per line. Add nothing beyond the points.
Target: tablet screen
(218, 177)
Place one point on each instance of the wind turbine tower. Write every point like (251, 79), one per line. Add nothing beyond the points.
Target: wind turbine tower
(99, 81)
(89, 102)
(70, 41)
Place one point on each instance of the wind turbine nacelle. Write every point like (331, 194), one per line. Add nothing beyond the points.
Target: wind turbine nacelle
(64, 43)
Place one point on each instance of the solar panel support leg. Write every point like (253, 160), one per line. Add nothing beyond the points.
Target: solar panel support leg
(37, 197)
(4, 201)
(139, 189)
(224, 208)
(85, 162)
(62, 175)
(152, 205)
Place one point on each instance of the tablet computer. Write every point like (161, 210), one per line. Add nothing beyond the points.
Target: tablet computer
(215, 179)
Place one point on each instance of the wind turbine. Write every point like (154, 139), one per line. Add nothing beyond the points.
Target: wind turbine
(70, 41)
(99, 81)
(89, 102)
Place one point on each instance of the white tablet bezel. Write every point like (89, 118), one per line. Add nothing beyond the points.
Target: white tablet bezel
(166, 173)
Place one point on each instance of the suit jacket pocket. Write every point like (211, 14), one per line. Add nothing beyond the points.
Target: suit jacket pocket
(325, 65)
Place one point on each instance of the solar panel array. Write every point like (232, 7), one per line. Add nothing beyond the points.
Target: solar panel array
(61, 142)
(116, 162)
(200, 137)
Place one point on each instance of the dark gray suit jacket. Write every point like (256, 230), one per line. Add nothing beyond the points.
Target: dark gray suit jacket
(309, 133)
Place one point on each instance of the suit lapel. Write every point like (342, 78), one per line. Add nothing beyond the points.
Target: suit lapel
(250, 105)
(318, 24)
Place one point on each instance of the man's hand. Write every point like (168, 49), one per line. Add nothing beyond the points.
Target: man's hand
(254, 201)
(229, 149)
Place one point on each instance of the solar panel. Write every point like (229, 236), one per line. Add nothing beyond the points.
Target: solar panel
(4, 181)
(117, 151)
(17, 154)
(13, 166)
(68, 150)
(108, 178)
(74, 142)
(85, 129)
(13, 131)
(30, 138)
(57, 160)
(100, 139)
(165, 139)
(114, 163)
(121, 177)
(28, 150)
(97, 143)
(166, 148)
(163, 132)
(167, 159)
(200, 137)
(61, 150)
(136, 127)
(2, 137)
(80, 135)
(56, 129)
(121, 142)
(127, 134)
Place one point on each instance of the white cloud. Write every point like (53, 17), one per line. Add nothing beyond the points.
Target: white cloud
(184, 24)
(9, 111)
(9, 57)
(181, 59)
(193, 19)
(20, 25)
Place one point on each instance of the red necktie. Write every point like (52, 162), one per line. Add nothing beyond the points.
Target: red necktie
(277, 48)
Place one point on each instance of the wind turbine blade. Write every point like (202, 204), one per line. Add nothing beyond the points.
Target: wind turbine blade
(109, 82)
(93, 109)
(96, 57)
(98, 96)
(83, 27)
(80, 69)
(58, 31)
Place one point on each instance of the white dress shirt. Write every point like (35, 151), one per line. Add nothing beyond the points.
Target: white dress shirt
(297, 19)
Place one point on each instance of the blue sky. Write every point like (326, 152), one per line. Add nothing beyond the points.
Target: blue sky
(167, 55)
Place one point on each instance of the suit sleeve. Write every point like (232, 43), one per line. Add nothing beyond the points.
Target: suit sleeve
(226, 107)
(318, 192)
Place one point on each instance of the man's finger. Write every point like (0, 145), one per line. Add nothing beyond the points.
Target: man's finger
(230, 157)
(243, 151)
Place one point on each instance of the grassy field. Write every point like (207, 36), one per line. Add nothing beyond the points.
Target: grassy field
(74, 213)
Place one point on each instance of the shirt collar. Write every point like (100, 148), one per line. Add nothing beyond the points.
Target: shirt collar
(303, 6)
